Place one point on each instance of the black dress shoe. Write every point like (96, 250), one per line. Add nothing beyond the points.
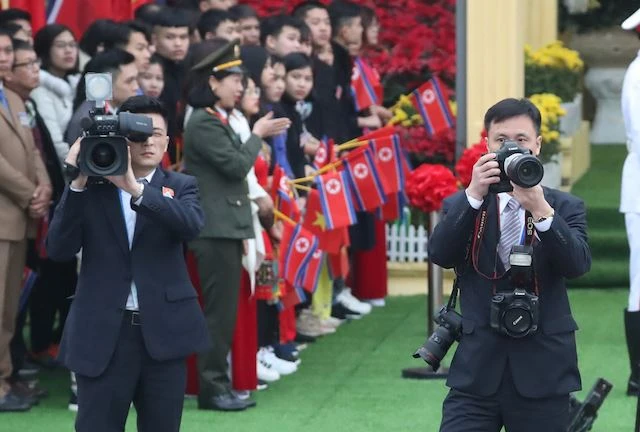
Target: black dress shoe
(223, 402)
(12, 403)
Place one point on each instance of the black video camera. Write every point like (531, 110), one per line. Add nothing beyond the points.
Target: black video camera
(516, 313)
(104, 147)
(517, 164)
(449, 329)
(583, 414)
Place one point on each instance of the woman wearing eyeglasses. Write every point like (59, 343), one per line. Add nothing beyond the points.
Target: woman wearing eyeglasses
(57, 49)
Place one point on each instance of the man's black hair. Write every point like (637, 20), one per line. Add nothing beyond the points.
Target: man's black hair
(21, 45)
(341, 12)
(12, 27)
(105, 62)
(98, 33)
(302, 9)
(143, 104)
(137, 26)
(147, 13)
(12, 14)
(6, 32)
(273, 25)
(210, 20)
(243, 11)
(173, 17)
(511, 107)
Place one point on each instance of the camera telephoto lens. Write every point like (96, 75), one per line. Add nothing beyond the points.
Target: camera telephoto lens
(524, 170)
(436, 347)
(103, 155)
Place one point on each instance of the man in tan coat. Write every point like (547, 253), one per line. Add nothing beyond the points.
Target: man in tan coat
(25, 194)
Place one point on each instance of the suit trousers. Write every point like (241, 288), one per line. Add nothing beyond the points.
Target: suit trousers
(632, 223)
(220, 268)
(156, 388)
(56, 283)
(13, 256)
(464, 412)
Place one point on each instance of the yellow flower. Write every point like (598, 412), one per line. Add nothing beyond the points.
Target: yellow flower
(550, 110)
(453, 105)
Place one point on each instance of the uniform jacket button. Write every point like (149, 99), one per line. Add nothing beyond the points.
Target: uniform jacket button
(238, 203)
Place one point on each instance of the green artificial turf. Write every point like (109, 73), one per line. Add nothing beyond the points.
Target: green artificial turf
(600, 190)
(351, 381)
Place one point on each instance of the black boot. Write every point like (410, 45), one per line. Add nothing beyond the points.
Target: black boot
(632, 333)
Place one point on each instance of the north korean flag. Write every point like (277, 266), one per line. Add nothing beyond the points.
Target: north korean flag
(378, 133)
(325, 153)
(314, 220)
(365, 85)
(311, 273)
(393, 209)
(388, 158)
(369, 188)
(298, 247)
(283, 195)
(335, 197)
(431, 101)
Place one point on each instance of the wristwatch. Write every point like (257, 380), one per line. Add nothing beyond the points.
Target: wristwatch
(545, 217)
(71, 171)
(136, 198)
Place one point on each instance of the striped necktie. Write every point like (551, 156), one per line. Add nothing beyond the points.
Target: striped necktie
(510, 231)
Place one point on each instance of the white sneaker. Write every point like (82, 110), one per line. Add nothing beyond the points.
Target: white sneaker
(266, 372)
(379, 302)
(348, 300)
(283, 367)
(308, 324)
(332, 322)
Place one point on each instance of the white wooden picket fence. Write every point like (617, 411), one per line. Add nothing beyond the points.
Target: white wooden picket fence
(406, 242)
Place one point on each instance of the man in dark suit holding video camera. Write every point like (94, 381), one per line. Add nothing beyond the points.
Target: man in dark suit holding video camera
(135, 316)
(516, 362)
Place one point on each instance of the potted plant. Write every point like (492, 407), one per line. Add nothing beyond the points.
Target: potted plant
(557, 70)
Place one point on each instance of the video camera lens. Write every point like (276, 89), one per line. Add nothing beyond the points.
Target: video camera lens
(525, 170)
(103, 155)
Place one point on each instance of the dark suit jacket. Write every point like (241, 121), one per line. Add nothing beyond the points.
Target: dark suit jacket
(543, 364)
(214, 154)
(173, 325)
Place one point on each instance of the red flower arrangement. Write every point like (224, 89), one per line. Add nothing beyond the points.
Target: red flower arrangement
(428, 185)
(464, 166)
(417, 37)
(436, 148)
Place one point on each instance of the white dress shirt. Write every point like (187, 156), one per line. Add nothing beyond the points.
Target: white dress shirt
(130, 222)
(503, 200)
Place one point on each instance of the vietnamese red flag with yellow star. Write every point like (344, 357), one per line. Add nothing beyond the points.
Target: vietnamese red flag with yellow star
(297, 248)
(369, 188)
(336, 201)
(314, 220)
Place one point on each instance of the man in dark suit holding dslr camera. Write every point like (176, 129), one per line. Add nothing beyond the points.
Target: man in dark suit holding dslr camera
(135, 316)
(516, 362)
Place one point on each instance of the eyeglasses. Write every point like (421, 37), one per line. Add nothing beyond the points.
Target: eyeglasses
(29, 65)
(256, 91)
(63, 45)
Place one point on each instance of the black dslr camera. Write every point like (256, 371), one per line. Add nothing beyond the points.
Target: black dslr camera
(517, 165)
(449, 329)
(515, 313)
(104, 147)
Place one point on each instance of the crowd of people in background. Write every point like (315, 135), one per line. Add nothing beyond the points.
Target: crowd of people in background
(248, 97)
